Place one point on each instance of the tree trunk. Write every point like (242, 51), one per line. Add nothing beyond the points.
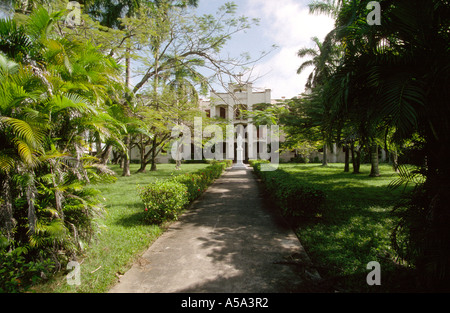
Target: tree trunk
(116, 157)
(126, 157)
(324, 159)
(394, 160)
(122, 159)
(155, 91)
(105, 155)
(374, 170)
(30, 193)
(142, 168)
(143, 159)
(128, 68)
(153, 160)
(7, 222)
(127, 154)
(347, 159)
(98, 145)
(356, 158)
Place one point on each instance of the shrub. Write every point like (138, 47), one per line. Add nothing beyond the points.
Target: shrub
(216, 169)
(225, 163)
(293, 197)
(163, 200)
(299, 159)
(192, 182)
(18, 271)
(199, 181)
(256, 164)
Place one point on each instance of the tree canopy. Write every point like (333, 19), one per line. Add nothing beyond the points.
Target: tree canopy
(387, 86)
(80, 86)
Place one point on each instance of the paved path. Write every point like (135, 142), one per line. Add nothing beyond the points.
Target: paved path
(228, 242)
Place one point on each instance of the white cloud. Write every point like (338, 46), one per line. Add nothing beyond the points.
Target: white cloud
(288, 24)
(279, 73)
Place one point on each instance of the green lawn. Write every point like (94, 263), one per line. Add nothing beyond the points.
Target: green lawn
(354, 228)
(124, 235)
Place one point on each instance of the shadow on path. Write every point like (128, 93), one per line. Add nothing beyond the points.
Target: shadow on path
(229, 241)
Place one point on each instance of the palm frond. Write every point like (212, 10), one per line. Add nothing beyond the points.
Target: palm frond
(26, 132)
(7, 162)
(406, 176)
(7, 67)
(304, 66)
(401, 98)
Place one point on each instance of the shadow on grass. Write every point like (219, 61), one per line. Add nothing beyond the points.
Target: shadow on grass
(353, 228)
(132, 220)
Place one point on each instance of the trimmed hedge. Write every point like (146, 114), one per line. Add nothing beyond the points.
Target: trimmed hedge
(293, 197)
(164, 200)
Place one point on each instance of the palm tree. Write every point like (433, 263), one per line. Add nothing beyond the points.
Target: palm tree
(320, 60)
(50, 96)
(325, 59)
(397, 73)
(22, 133)
(329, 7)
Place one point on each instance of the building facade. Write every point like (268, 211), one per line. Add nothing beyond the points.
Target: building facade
(229, 106)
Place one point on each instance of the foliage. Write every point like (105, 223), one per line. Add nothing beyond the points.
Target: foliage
(293, 197)
(174, 47)
(390, 86)
(124, 233)
(163, 200)
(53, 95)
(354, 227)
(199, 181)
(62, 91)
(18, 273)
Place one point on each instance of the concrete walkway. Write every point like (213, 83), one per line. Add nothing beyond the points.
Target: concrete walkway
(228, 242)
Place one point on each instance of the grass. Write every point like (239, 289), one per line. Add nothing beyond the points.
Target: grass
(354, 229)
(124, 236)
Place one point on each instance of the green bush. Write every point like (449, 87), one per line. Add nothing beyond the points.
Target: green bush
(163, 200)
(256, 164)
(200, 180)
(193, 184)
(299, 159)
(226, 163)
(18, 271)
(293, 197)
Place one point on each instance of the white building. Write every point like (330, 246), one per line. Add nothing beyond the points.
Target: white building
(229, 106)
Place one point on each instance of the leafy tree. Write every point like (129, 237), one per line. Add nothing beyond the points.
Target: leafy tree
(392, 85)
(181, 45)
(325, 60)
(53, 94)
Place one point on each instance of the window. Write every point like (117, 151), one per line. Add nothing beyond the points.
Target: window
(223, 113)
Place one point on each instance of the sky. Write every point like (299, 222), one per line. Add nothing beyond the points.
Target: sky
(284, 23)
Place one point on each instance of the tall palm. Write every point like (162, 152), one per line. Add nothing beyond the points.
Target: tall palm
(45, 110)
(318, 61)
(325, 59)
(329, 7)
(22, 133)
(398, 73)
